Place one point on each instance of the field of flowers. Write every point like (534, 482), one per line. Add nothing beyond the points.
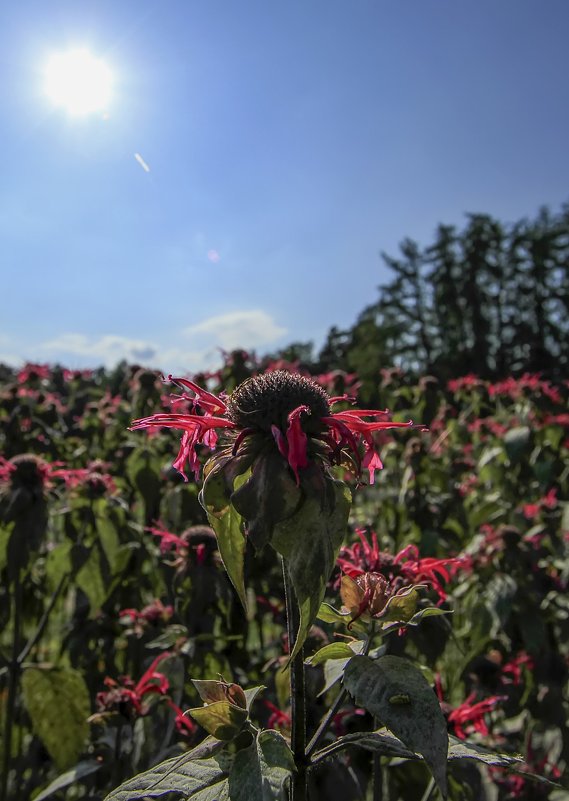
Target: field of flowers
(113, 594)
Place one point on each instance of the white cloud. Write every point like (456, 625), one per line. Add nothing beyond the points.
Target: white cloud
(238, 329)
(194, 349)
(108, 349)
(79, 350)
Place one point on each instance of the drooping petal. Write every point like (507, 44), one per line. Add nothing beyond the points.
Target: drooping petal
(372, 462)
(182, 421)
(197, 429)
(145, 684)
(207, 400)
(187, 453)
(297, 441)
(280, 440)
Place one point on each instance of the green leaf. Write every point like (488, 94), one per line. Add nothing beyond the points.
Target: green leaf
(488, 455)
(334, 668)
(90, 579)
(401, 608)
(251, 695)
(380, 685)
(328, 614)
(516, 441)
(335, 650)
(257, 773)
(310, 541)
(459, 749)
(58, 704)
(169, 637)
(197, 775)
(82, 769)
(268, 496)
(5, 534)
(384, 743)
(261, 772)
(429, 611)
(227, 524)
(222, 719)
(58, 564)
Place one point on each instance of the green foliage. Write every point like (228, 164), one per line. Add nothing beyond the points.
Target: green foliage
(398, 695)
(57, 701)
(86, 590)
(309, 542)
(258, 772)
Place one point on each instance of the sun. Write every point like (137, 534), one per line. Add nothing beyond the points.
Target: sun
(78, 82)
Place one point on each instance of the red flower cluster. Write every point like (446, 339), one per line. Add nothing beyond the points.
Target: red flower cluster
(340, 433)
(469, 381)
(511, 672)
(515, 387)
(180, 545)
(155, 612)
(407, 565)
(130, 698)
(33, 372)
(48, 472)
(468, 717)
(277, 719)
(549, 501)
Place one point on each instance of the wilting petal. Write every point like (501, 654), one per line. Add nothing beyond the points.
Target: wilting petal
(206, 400)
(297, 441)
(372, 462)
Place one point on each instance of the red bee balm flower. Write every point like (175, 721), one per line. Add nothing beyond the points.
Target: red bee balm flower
(291, 410)
(126, 695)
(281, 439)
(469, 716)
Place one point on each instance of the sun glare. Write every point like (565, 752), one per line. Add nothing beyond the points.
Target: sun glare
(78, 82)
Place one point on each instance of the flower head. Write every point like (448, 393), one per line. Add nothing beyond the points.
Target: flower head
(284, 411)
(271, 479)
(407, 566)
(470, 717)
(128, 697)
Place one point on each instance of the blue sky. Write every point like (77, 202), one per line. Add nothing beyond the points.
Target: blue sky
(288, 143)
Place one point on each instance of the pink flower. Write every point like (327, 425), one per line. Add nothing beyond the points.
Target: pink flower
(33, 372)
(169, 541)
(407, 565)
(512, 671)
(469, 381)
(153, 613)
(531, 510)
(184, 724)
(124, 695)
(288, 411)
(548, 501)
(469, 717)
(277, 719)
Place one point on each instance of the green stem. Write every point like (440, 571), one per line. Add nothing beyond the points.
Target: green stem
(13, 677)
(377, 773)
(338, 701)
(325, 722)
(429, 791)
(43, 622)
(299, 791)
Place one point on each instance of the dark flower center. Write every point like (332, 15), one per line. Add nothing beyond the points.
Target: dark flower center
(268, 399)
(29, 472)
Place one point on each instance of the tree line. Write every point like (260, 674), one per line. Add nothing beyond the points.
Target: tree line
(490, 299)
